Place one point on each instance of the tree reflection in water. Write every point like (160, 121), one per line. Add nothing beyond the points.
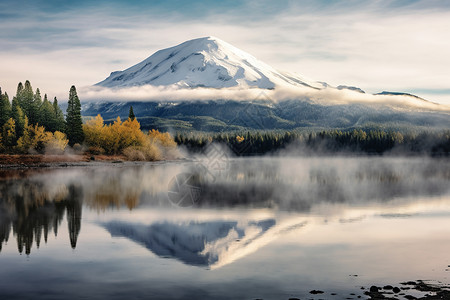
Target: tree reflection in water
(34, 203)
(32, 213)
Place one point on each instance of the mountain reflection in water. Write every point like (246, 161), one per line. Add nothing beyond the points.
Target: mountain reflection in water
(210, 244)
(33, 204)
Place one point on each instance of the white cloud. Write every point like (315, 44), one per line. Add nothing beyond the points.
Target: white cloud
(325, 96)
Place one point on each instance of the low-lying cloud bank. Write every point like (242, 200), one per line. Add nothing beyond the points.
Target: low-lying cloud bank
(326, 96)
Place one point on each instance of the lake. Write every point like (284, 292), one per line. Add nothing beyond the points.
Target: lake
(224, 228)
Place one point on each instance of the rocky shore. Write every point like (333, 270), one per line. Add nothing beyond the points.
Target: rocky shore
(431, 290)
(410, 290)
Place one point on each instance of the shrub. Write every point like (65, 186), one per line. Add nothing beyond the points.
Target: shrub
(134, 154)
(128, 139)
(34, 139)
(57, 143)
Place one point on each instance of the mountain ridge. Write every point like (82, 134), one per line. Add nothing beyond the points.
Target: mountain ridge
(229, 115)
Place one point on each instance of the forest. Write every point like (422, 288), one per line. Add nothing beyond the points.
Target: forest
(435, 143)
(32, 125)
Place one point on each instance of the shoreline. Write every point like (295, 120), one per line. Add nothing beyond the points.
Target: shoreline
(13, 165)
(26, 161)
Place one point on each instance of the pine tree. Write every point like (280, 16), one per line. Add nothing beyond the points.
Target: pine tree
(18, 116)
(19, 91)
(74, 129)
(5, 108)
(47, 115)
(131, 114)
(26, 98)
(59, 116)
(35, 107)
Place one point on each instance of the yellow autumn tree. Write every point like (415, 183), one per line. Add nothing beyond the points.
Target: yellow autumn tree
(161, 138)
(34, 139)
(127, 134)
(113, 137)
(8, 135)
(93, 131)
(127, 138)
(57, 143)
(133, 134)
(120, 135)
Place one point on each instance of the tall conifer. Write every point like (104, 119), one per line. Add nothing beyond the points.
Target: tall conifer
(5, 108)
(59, 116)
(18, 116)
(47, 116)
(131, 114)
(74, 129)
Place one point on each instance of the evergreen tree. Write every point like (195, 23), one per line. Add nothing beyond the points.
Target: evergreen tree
(74, 129)
(26, 98)
(35, 107)
(18, 116)
(5, 108)
(47, 115)
(59, 117)
(131, 114)
(19, 91)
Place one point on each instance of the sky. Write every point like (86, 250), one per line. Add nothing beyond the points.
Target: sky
(377, 45)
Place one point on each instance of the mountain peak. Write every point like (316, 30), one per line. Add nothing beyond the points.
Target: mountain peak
(207, 40)
(210, 38)
(203, 62)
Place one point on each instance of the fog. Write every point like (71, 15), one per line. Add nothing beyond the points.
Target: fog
(210, 181)
(326, 96)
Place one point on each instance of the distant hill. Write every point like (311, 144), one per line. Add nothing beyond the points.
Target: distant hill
(238, 115)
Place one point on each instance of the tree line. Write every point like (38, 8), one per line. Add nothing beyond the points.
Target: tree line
(30, 122)
(323, 142)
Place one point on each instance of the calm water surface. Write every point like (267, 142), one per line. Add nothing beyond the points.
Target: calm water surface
(268, 228)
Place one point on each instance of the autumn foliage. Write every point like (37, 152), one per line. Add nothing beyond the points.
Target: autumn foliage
(29, 125)
(33, 140)
(128, 139)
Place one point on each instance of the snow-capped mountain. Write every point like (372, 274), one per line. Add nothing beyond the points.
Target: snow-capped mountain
(204, 62)
(210, 244)
(208, 84)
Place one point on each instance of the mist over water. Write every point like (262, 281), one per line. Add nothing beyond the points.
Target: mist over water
(226, 217)
(291, 184)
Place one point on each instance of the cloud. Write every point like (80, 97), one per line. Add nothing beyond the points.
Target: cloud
(327, 96)
(382, 45)
(166, 93)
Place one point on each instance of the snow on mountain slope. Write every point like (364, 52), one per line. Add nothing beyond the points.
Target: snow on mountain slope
(204, 62)
(212, 244)
(211, 69)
